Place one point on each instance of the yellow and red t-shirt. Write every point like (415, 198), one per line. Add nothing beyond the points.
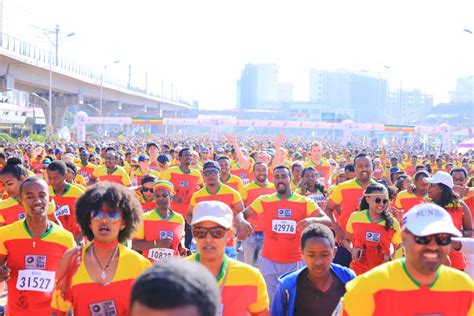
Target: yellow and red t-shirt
(243, 174)
(90, 298)
(323, 168)
(185, 184)
(390, 290)
(146, 205)
(156, 227)
(347, 195)
(137, 175)
(372, 238)
(119, 175)
(279, 218)
(11, 211)
(66, 206)
(405, 200)
(86, 171)
(469, 200)
(244, 291)
(235, 183)
(410, 169)
(33, 263)
(456, 211)
(252, 191)
(36, 164)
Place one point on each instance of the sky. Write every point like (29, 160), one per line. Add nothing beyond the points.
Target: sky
(200, 47)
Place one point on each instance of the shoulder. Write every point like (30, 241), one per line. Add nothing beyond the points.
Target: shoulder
(226, 189)
(345, 274)
(177, 218)
(375, 279)
(133, 258)
(453, 279)
(244, 270)
(358, 216)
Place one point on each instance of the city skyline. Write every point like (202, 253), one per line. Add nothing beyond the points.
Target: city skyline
(201, 48)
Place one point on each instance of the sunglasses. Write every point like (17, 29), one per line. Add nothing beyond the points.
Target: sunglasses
(216, 232)
(441, 239)
(379, 200)
(211, 172)
(147, 190)
(112, 215)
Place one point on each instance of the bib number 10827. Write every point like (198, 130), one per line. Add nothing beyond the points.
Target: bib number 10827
(284, 226)
(160, 254)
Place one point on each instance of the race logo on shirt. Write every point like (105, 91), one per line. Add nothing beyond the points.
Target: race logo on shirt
(284, 213)
(21, 216)
(374, 237)
(183, 184)
(37, 262)
(62, 210)
(105, 308)
(166, 234)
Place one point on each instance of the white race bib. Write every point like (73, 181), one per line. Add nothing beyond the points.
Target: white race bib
(318, 198)
(284, 226)
(62, 210)
(35, 280)
(160, 254)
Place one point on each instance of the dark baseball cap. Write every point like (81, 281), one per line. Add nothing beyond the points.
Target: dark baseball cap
(163, 159)
(211, 165)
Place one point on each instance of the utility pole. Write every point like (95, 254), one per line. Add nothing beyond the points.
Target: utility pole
(56, 30)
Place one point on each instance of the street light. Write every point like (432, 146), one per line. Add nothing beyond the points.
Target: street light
(101, 90)
(472, 80)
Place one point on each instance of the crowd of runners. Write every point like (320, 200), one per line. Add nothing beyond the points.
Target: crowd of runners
(254, 225)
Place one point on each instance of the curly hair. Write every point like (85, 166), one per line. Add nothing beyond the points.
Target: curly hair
(114, 196)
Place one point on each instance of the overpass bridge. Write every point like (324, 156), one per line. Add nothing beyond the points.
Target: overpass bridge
(24, 67)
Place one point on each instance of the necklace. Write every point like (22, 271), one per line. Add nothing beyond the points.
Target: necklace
(103, 275)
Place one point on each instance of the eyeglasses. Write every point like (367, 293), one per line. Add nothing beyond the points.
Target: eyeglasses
(211, 172)
(216, 232)
(112, 215)
(441, 239)
(144, 189)
(379, 200)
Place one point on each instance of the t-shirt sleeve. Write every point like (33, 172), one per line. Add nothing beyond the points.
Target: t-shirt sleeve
(95, 173)
(256, 205)
(349, 227)
(244, 194)
(236, 198)
(2, 219)
(262, 303)
(51, 207)
(398, 202)
(336, 195)
(140, 233)
(396, 238)
(311, 207)
(166, 175)
(193, 202)
(3, 248)
(357, 291)
(126, 179)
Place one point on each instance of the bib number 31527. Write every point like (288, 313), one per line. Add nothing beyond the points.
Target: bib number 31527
(284, 226)
(35, 280)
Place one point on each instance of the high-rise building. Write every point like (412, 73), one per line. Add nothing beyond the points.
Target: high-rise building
(464, 90)
(362, 93)
(414, 106)
(285, 92)
(257, 86)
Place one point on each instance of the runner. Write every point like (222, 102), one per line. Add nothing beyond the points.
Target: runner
(160, 234)
(311, 187)
(227, 178)
(111, 171)
(322, 166)
(406, 199)
(73, 177)
(11, 178)
(252, 246)
(153, 152)
(142, 170)
(145, 192)
(30, 251)
(371, 231)
(242, 286)
(65, 196)
(296, 171)
(96, 279)
(344, 201)
(441, 192)
(317, 288)
(418, 284)
(284, 215)
(191, 287)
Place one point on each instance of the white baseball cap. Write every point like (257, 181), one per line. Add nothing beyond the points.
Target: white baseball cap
(214, 211)
(441, 177)
(429, 219)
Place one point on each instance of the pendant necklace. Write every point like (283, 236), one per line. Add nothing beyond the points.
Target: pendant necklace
(103, 275)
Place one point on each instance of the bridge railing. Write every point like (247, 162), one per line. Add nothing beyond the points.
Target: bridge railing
(45, 56)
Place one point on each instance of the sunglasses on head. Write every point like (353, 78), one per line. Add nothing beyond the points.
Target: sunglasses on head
(379, 200)
(441, 239)
(112, 215)
(144, 189)
(216, 232)
(211, 172)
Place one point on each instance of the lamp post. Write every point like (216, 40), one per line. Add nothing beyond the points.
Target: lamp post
(102, 89)
(469, 31)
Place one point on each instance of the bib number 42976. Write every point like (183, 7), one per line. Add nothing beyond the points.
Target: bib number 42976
(284, 226)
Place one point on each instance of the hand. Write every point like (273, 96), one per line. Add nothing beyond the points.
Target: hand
(177, 199)
(231, 139)
(4, 273)
(164, 243)
(244, 229)
(340, 234)
(302, 224)
(279, 139)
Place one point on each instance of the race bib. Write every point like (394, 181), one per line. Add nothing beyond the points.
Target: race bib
(318, 198)
(160, 254)
(35, 280)
(105, 308)
(62, 210)
(284, 226)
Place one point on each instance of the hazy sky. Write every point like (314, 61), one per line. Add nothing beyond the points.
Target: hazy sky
(201, 46)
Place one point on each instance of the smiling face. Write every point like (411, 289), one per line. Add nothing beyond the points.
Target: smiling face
(185, 158)
(376, 201)
(35, 198)
(363, 169)
(282, 179)
(11, 184)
